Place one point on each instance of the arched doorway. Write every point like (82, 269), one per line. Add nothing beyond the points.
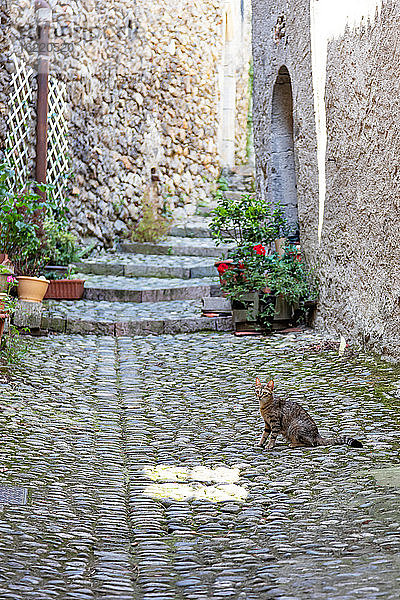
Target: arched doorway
(282, 177)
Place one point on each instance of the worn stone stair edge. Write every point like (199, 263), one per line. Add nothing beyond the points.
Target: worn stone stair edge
(137, 327)
(98, 293)
(155, 249)
(160, 271)
(190, 231)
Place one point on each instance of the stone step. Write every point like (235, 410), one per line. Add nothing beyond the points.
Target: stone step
(195, 227)
(142, 265)
(235, 195)
(147, 289)
(192, 231)
(205, 211)
(178, 246)
(124, 319)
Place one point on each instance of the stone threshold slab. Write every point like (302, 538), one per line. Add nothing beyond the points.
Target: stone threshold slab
(138, 327)
(173, 250)
(143, 270)
(100, 293)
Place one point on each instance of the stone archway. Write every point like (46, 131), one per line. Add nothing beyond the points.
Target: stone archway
(282, 177)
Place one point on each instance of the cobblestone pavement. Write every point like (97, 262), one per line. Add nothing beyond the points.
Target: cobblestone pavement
(100, 311)
(145, 483)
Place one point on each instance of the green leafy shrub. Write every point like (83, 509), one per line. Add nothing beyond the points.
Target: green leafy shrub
(247, 221)
(33, 227)
(61, 245)
(252, 269)
(21, 225)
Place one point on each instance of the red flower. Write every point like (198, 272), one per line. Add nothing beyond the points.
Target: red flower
(259, 249)
(222, 267)
(241, 265)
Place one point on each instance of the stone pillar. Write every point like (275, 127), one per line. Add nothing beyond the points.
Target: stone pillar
(28, 314)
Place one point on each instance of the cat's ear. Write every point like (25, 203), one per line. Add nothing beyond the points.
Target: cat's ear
(258, 383)
(270, 385)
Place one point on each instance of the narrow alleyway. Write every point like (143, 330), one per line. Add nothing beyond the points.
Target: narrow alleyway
(144, 482)
(136, 458)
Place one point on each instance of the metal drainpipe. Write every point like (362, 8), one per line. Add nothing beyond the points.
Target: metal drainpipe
(44, 19)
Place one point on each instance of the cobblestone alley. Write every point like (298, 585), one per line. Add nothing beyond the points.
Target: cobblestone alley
(144, 481)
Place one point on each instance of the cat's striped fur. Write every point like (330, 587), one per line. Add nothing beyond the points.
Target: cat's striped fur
(292, 421)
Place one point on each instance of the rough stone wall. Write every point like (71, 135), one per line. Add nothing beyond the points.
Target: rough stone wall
(142, 80)
(4, 74)
(357, 261)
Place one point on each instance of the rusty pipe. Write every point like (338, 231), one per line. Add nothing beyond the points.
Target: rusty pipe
(44, 19)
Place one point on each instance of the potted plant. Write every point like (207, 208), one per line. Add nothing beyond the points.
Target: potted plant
(22, 236)
(265, 278)
(33, 232)
(247, 222)
(62, 251)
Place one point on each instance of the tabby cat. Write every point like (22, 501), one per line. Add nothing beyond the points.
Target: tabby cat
(292, 421)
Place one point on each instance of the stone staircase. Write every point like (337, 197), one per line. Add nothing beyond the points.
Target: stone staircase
(148, 288)
(145, 289)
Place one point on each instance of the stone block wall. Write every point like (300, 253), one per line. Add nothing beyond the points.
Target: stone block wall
(347, 171)
(4, 75)
(143, 102)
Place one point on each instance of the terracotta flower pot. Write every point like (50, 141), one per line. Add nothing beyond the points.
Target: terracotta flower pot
(65, 289)
(32, 289)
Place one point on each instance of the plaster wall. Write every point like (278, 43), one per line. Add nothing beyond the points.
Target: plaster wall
(346, 107)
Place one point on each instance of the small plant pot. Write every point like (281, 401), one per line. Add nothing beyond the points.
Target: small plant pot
(32, 289)
(65, 289)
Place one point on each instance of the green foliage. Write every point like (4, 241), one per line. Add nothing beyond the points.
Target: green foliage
(61, 245)
(247, 221)
(33, 227)
(271, 276)
(290, 277)
(20, 228)
(222, 186)
(12, 348)
(251, 271)
(246, 273)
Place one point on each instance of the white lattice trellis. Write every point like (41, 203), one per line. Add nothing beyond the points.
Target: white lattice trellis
(21, 125)
(58, 159)
(20, 120)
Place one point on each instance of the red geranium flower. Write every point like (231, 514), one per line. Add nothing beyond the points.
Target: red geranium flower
(259, 249)
(241, 265)
(222, 267)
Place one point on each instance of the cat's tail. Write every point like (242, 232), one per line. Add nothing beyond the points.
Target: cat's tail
(341, 440)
